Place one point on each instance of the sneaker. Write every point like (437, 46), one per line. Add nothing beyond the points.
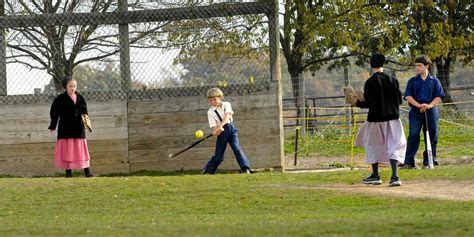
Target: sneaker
(372, 179)
(395, 182)
(409, 167)
(247, 171)
(426, 167)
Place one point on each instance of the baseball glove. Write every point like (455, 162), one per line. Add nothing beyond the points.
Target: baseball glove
(352, 96)
(86, 121)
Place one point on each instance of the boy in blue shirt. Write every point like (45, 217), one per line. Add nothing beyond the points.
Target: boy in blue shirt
(423, 93)
(221, 121)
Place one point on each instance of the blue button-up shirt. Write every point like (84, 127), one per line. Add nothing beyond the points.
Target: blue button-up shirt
(424, 91)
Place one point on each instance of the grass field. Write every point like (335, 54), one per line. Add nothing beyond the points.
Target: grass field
(262, 204)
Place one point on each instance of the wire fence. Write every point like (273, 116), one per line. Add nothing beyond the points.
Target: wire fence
(135, 49)
(327, 126)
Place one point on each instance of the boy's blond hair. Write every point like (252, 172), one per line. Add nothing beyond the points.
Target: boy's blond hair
(215, 92)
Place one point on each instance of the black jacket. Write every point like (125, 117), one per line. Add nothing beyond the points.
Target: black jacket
(382, 97)
(69, 115)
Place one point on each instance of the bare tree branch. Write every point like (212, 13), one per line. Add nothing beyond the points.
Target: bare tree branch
(34, 56)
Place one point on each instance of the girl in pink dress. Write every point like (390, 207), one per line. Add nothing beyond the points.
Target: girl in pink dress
(71, 152)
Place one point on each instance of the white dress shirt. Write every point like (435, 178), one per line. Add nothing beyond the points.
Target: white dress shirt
(225, 108)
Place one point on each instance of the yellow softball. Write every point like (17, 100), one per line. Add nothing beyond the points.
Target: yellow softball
(198, 134)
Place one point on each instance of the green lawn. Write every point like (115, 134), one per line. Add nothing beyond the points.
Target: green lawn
(189, 204)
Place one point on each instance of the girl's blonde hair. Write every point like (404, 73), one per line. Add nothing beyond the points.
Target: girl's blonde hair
(215, 92)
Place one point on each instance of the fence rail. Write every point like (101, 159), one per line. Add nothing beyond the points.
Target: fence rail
(318, 115)
(127, 17)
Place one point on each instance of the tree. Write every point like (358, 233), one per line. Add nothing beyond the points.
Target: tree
(313, 33)
(444, 31)
(320, 32)
(228, 49)
(97, 77)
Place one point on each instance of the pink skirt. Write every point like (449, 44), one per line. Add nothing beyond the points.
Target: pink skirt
(71, 153)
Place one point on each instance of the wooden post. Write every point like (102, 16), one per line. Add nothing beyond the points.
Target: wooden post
(297, 129)
(124, 44)
(349, 113)
(3, 55)
(274, 29)
(303, 105)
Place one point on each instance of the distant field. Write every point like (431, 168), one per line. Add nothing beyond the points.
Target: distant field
(436, 202)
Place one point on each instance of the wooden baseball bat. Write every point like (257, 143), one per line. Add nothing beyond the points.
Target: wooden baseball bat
(189, 146)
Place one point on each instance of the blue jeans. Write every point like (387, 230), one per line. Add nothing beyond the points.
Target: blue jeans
(417, 121)
(229, 135)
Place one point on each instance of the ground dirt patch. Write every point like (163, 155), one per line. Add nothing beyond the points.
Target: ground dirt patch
(435, 189)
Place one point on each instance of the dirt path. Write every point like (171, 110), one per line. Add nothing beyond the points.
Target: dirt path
(439, 189)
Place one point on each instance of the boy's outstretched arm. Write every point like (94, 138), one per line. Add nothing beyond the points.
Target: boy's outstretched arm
(217, 130)
(225, 120)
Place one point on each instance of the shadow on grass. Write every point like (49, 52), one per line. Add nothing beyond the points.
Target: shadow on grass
(154, 173)
(177, 173)
(79, 174)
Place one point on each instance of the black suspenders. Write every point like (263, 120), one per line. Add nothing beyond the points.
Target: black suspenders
(218, 115)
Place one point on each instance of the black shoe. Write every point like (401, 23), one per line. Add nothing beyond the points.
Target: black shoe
(87, 173)
(436, 163)
(372, 179)
(68, 173)
(395, 182)
(207, 172)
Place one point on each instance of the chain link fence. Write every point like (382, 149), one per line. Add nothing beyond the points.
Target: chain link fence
(319, 130)
(144, 49)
